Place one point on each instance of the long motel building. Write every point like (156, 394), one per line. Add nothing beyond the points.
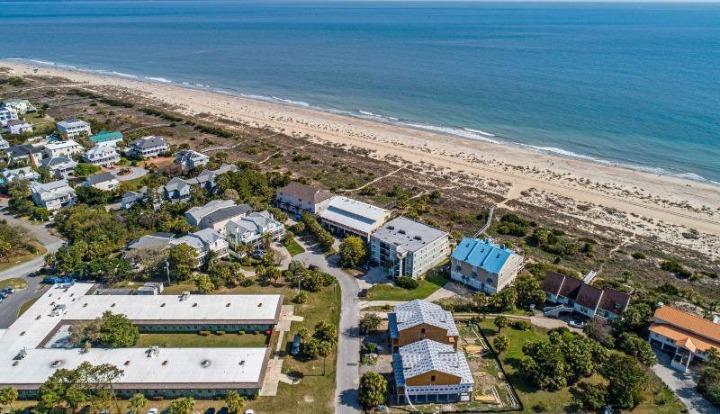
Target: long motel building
(36, 345)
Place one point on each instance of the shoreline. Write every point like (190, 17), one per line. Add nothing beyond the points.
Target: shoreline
(658, 205)
(465, 133)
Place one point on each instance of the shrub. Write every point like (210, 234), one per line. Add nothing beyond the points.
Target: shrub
(674, 267)
(204, 333)
(220, 333)
(300, 298)
(540, 407)
(520, 325)
(638, 256)
(406, 282)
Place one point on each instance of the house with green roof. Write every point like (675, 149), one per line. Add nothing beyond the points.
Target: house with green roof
(107, 137)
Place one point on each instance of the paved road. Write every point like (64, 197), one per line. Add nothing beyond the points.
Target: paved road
(10, 306)
(683, 385)
(135, 172)
(348, 361)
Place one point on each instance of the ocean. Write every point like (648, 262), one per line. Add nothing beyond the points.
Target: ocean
(631, 84)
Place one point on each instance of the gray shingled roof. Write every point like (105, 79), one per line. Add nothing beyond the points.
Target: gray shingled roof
(425, 356)
(100, 178)
(149, 142)
(418, 311)
(224, 214)
(407, 235)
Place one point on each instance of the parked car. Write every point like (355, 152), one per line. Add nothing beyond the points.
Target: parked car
(54, 280)
(249, 411)
(577, 324)
(295, 349)
(153, 411)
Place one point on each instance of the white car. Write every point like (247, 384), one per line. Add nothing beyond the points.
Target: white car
(250, 411)
(153, 411)
(577, 324)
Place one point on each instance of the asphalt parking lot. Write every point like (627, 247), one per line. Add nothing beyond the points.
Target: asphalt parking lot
(10, 306)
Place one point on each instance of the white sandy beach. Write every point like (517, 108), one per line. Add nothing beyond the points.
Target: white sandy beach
(620, 198)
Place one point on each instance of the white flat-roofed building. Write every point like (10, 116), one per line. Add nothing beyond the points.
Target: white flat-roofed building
(73, 128)
(28, 359)
(102, 154)
(62, 148)
(7, 114)
(406, 247)
(347, 216)
(24, 173)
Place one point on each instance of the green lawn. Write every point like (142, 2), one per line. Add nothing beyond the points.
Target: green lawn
(194, 340)
(425, 288)
(15, 283)
(293, 246)
(558, 401)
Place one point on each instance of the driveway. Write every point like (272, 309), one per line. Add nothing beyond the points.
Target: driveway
(10, 306)
(683, 385)
(347, 376)
(135, 172)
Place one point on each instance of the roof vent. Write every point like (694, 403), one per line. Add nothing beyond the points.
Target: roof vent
(242, 362)
(205, 363)
(259, 305)
(165, 362)
(38, 317)
(22, 333)
(57, 363)
(85, 305)
(227, 305)
(15, 363)
(162, 305)
(127, 363)
(194, 305)
(401, 231)
(112, 306)
(417, 238)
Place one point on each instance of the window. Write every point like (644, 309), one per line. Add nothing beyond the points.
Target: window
(422, 330)
(432, 378)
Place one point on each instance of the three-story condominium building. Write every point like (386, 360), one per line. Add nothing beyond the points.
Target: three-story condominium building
(103, 154)
(405, 247)
(148, 147)
(297, 198)
(73, 128)
(344, 216)
(54, 195)
(484, 265)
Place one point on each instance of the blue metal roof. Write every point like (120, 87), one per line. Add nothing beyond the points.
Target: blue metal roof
(483, 254)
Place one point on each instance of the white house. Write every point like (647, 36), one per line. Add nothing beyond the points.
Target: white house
(484, 265)
(54, 195)
(102, 154)
(104, 181)
(250, 228)
(63, 148)
(18, 127)
(21, 106)
(147, 147)
(190, 160)
(407, 248)
(344, 216)
(60, 167)
(73, 128)
(24, 173)
(7, 114)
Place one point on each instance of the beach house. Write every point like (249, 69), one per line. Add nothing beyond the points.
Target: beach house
(190, 160)
(687, 337)
(106, 138)
(53, 195)
(578, 296)
(7, 114)
(19, 126)
(405, 247)
(60, 167)
(196, 214)
(417, 320)
(297, 198)
(104, 181)
(25, 155)
(21, 106)
(484, 265)
(102, 154)
(62, 148)
(250, 229)
(23, 173)
(344, 216)
(73, 128)
(147, 147)
(427, 371)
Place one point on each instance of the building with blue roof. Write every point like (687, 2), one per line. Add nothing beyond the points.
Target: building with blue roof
(484, 265)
